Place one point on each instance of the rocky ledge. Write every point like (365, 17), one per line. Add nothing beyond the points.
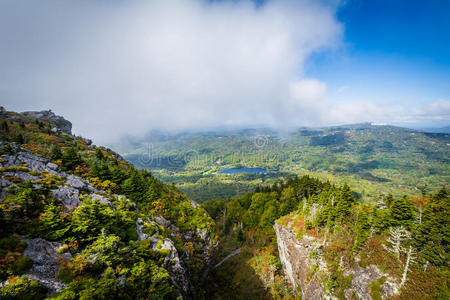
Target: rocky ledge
(299, 255)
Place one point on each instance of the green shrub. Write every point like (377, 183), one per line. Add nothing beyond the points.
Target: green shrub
(23, 264)
(23, 289)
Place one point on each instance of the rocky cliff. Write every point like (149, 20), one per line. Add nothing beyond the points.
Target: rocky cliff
(306, 269)
(21, 165)
(61, 209)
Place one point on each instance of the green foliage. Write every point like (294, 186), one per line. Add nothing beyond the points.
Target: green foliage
(99, 154)
(70, 159)
(55, 153)
(344, 201)
(6, 149)
(4, 126)
(401, 212)
(375, 288)
(362, 228)
(110, 261)
(19, 139)
(12, 260)
(53, 225)
(215, 208)
(23, 289)
(432, 237)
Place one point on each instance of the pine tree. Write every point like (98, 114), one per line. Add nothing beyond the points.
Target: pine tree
(19, 139)
(362, 227)
(99, 154)
(432, 237)
(134, 187)
(401, 212)
(345, 201)
(71, 159)
(55, 153)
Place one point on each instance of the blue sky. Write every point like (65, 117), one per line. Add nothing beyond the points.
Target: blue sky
(394, 50)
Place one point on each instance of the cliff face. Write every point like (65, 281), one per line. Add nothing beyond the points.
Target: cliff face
(305, 268)
(295, 256)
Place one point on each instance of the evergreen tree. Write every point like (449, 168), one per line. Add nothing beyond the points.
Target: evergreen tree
(345, 200)
(117, 174)
(134, 187)
(288, 200)
(432, 238)
(19, 139)
(99, 154)
(362, 227)
(401, 212)
(55, 153)
(71, 159)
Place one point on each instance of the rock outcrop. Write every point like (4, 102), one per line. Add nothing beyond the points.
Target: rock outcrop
(58, 122)
(21, 165)
(297, 263)
(299, 255)
(46, 262)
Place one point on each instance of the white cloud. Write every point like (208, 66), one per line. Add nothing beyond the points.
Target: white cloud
(120, 67)
(115, 67)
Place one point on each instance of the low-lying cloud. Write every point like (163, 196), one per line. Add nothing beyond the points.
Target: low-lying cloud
(125, 67)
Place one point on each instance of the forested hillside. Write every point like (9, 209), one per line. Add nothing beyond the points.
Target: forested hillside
(330, 243)
(371, 158)
(79, 222)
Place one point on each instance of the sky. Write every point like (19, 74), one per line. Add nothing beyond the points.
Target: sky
(127, 67)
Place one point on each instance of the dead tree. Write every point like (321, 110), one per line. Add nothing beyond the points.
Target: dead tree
(397, 236)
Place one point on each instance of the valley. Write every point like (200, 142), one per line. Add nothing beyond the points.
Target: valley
(78, 221)
(373, 159)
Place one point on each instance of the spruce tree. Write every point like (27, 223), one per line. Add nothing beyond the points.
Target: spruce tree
(362, 227)
(99, 154)
(401, 212)
(55, 153)
(70, 159)
(432, 237)
(19, 139)
(345, 200)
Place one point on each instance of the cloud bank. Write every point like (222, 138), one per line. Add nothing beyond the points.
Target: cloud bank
(125, 67)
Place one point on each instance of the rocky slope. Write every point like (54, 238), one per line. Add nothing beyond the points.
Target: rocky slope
(182, 253)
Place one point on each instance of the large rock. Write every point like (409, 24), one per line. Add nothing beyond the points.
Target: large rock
(363, 277)
(69, 196)
(179, 272)
(58, 122)
(296, 261)
(45, 263)
(75, 182)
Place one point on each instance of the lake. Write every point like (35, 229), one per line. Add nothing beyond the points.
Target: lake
(243, 170)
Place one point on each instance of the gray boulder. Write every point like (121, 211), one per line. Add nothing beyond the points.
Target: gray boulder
(45, 263)
(69, 196)
(75, 182)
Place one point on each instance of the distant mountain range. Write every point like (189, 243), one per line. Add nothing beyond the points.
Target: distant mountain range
(445, 129)
(374, 157)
